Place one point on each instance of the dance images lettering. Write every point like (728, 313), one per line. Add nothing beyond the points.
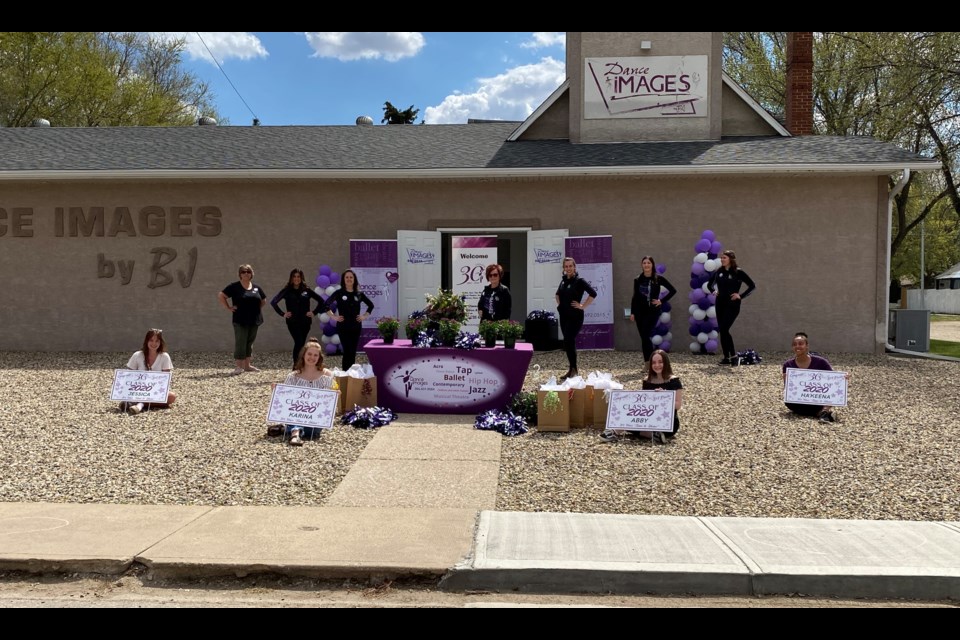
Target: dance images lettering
(149, 222)
(455, 381)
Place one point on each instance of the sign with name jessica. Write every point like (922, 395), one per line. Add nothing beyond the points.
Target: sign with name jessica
(640, 410)
(140, 386)
(810, 386)
(303, 406)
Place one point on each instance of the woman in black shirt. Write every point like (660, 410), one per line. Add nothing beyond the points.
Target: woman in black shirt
(347, 300)
(296, 297)
(495, 302)
(726, 283)
(243, 299)
(646, 303)
(570, 310)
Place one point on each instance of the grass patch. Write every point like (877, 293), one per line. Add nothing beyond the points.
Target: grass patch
(945, 348)
(943, 317)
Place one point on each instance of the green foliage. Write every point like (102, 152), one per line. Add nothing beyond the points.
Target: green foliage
(510, 329)
(388, 326)
(392, 115)
(945, 348)
(448, 331)
(446, 305)
(416, 325)
(91, 79)
(489, 329)
(524, 404)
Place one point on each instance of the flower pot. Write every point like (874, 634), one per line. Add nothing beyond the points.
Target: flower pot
(509, 342)
(388, 339)
(490, 342)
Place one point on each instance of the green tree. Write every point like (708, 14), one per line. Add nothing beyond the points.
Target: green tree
(88, 79)
(900, 87)
(392, 115)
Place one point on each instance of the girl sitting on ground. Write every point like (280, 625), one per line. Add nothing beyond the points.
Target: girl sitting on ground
(152, 356)
(659, 378)
(307, 372)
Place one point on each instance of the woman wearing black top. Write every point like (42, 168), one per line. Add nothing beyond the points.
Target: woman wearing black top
(346, 300)
(243, 300)
(570, 310)
(296, 297)
(645, 304)
(495, 302)
(726, 283)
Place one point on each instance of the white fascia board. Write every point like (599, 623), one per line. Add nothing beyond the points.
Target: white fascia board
(546, 104)
(753, 104)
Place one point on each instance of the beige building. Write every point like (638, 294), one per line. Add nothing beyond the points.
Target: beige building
(105, 232)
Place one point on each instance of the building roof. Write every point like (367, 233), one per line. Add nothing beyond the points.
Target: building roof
(477, 149)
(951, 273)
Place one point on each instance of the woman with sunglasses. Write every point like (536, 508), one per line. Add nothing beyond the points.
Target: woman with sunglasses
(244, 300)
(495, 302)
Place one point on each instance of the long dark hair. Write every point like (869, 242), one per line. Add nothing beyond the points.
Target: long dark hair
(343, 280)
(667, 369)
(146, 339)
(733, 259)
(297, 272)
(654, 276)
(312, 343)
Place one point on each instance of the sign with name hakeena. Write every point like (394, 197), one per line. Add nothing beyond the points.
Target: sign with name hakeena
(812, 386)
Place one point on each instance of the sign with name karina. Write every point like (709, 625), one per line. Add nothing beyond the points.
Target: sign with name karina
(810, 386)
(140, 386)
(645, 87)
(640, 410)
(303, 406)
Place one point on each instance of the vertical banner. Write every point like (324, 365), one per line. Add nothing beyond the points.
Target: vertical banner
(375, 263)
(594, 256)
(469, 259)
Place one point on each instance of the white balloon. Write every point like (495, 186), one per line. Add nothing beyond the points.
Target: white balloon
(706, 287)
(711, 265)
(701, 258)
(325, 339)
(318, 290)
(713, 334)
(656, 340)
(330, 290)
(699, 314)
(695, 347)
(702, 337)
(324, 318)
(693, 308)
(665, 317)
(335, 339)
(668, 337)
(712, 311)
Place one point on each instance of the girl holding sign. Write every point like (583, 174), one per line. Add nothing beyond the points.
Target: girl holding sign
(307, 372)
(659, 378)
(804, 360)
(152, 356)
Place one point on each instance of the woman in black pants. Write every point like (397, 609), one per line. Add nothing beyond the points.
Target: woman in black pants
(726, 283)
(570, 310)
(645, 304)
(296, 297)
(346, 300)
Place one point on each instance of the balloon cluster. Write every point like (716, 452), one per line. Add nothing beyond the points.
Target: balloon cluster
(328, 281)
(703, 310)
(662, 338)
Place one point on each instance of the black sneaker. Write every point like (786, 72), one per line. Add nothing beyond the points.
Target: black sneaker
(609, 435)
(827, 417)
(725, 361)
(659, 437)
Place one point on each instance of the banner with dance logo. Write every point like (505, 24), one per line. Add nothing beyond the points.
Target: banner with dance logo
(594, 256)
(375, 263)
(469, 259)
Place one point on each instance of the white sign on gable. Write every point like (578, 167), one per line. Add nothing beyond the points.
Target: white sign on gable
(647, 87)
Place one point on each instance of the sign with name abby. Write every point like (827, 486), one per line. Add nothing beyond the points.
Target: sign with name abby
(140, 386)
(303, 406)
(812, 386)
(640, 410)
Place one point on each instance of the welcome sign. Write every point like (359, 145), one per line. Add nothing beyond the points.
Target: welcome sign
(645, 87)
(640, 410)
(140, 386)
(810, 386)
(303, 406)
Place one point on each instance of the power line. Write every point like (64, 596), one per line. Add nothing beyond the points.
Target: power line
(256, 120)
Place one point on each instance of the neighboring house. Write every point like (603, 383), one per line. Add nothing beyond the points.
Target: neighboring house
(949, 279)
(107, 231)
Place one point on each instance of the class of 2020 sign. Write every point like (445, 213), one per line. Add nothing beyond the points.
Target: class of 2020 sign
(140, 386)
(812, 386)
(303, 406)
(640, 410)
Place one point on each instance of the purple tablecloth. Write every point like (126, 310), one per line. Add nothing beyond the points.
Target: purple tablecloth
(446, 380)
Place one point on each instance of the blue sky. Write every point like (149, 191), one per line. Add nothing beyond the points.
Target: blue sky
(314, 78)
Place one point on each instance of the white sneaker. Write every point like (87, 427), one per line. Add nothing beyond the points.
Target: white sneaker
(237, 371)
(134, 409)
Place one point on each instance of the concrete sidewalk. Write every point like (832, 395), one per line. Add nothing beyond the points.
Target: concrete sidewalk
(488, 550)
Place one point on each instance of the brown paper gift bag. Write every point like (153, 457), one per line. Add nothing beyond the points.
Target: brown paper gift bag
(578, 400)
(361, 392)
(554, 419)
(588, 405)
(599, 408)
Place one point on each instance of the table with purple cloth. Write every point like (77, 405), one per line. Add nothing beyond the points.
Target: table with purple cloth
(447, 380)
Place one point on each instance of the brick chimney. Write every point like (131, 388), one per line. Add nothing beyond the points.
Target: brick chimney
(800, 82)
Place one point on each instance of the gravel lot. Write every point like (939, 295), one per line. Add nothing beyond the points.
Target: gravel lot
(892, 455)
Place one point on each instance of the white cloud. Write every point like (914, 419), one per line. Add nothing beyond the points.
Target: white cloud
(546, 39)
(359, 45)
(223, 44)
(512, 95)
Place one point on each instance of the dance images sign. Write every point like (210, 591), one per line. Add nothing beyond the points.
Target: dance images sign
(640, 410)
(448, 381)
(823, 388)
(647, 87)
(140, 386)
(303, 406)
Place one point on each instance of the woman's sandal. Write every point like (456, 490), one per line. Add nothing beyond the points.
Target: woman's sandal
(275, 430)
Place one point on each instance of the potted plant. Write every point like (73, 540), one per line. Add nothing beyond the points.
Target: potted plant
(416, 322)
(448, 331)
(446, 305)
(489, 331)
(510, 330)
(388, 326)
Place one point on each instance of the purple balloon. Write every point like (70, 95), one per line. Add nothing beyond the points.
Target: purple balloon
(334, 278)
(711, 346)
(329, 330)
(665, 307)
(694, 330)
(662, 329)
(702, 246)
(665, 345)
(324, 270)
(332, 321)
(705, 325)
(330, 349)
(703, 302)
(693, 321)
(323, 281)
(693, 283)
(661, 268)
(708, 235)
(715, 247)
(697, 269)
(712, 297)
(698, 295)
(324, 296)
(713, 324)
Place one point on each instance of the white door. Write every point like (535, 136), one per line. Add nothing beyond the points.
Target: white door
(418, 266)
(544, 267)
